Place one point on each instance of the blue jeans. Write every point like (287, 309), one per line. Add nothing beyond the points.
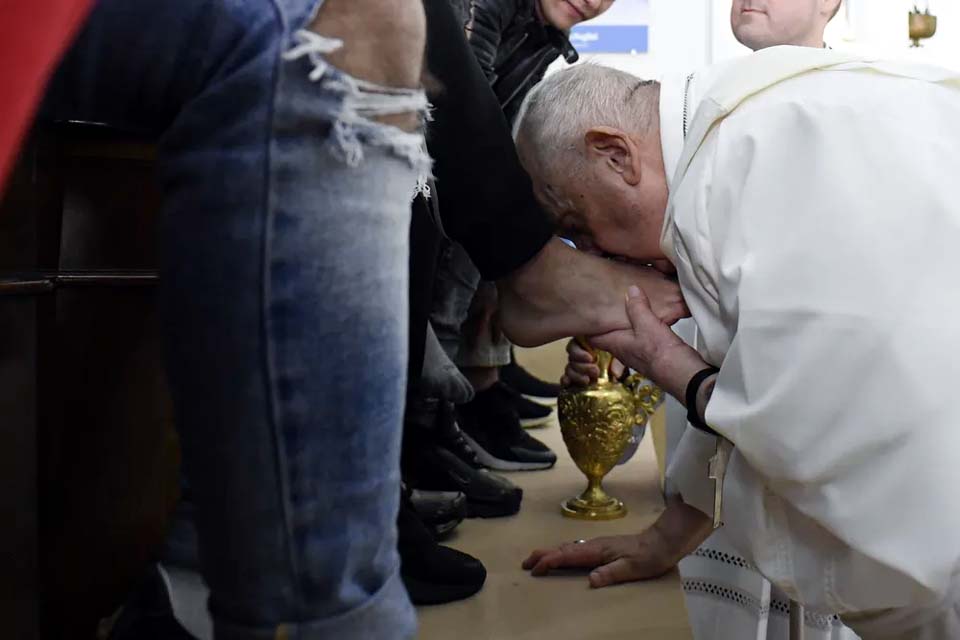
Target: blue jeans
(284, 298)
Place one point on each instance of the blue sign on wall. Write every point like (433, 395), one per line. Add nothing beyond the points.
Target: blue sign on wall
(610, 38)
(623, 28)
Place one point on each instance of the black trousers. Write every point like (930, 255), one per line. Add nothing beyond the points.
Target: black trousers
(425, 238)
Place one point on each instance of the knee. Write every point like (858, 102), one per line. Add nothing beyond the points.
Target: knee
(383, 42)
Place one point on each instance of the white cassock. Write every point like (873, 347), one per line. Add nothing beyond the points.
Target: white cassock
(814, 219)
(726, 597)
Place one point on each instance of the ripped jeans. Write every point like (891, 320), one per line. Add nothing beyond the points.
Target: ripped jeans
(284, 298)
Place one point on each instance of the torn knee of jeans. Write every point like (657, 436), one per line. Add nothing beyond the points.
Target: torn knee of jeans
(370, 114)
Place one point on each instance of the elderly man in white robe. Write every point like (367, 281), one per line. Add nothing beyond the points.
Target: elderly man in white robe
(726, 599)
(807, 202)
(725, 596)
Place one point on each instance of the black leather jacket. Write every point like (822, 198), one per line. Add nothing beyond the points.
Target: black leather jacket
(512, 45)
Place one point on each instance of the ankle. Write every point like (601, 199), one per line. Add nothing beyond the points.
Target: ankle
(482, 378)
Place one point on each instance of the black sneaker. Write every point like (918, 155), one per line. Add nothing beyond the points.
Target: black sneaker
(441, 511)
(492, 427)
(148, 613)
(433, 574)
(435, 468)
(531, 414)
(439, 458)
(450, 436)
(528, 384)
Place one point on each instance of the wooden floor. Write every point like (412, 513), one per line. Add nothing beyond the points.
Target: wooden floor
(515, 606)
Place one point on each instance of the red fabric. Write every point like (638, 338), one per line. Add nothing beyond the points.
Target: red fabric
(33, 36)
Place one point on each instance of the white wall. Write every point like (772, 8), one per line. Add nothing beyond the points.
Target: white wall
(684, 35)
(880, 27)
(679, 40)
(687, 34)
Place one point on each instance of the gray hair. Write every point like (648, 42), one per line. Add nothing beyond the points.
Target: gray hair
(559, 110)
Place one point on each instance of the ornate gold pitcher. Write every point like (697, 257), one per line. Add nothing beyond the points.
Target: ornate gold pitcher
(923, 25)
(597, 423)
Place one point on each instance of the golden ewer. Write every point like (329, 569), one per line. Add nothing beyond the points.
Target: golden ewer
(922, 25)
(597, 423)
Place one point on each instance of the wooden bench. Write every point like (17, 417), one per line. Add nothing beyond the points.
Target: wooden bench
(88, 456)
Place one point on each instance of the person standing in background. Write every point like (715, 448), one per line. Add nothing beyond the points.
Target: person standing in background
(759, 24)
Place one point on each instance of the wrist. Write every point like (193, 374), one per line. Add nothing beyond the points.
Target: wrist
(679, 530)
(674, 369)
(667, 554)
(696, 396)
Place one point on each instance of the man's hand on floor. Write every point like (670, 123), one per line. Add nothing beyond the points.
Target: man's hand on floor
(678, 530)
(613, 559)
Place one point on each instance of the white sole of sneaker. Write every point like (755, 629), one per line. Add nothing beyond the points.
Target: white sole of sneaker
(548, 401)
(535, 422)
(490, 461)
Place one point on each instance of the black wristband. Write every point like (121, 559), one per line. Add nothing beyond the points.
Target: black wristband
(693, 387)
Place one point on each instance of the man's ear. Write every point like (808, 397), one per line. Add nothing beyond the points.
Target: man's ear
(616, 150)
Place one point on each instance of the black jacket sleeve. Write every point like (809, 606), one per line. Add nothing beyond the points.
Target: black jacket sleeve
(486, 198)
(484, 29)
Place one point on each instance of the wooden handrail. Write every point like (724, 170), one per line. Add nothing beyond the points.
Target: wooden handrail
(36, 283)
